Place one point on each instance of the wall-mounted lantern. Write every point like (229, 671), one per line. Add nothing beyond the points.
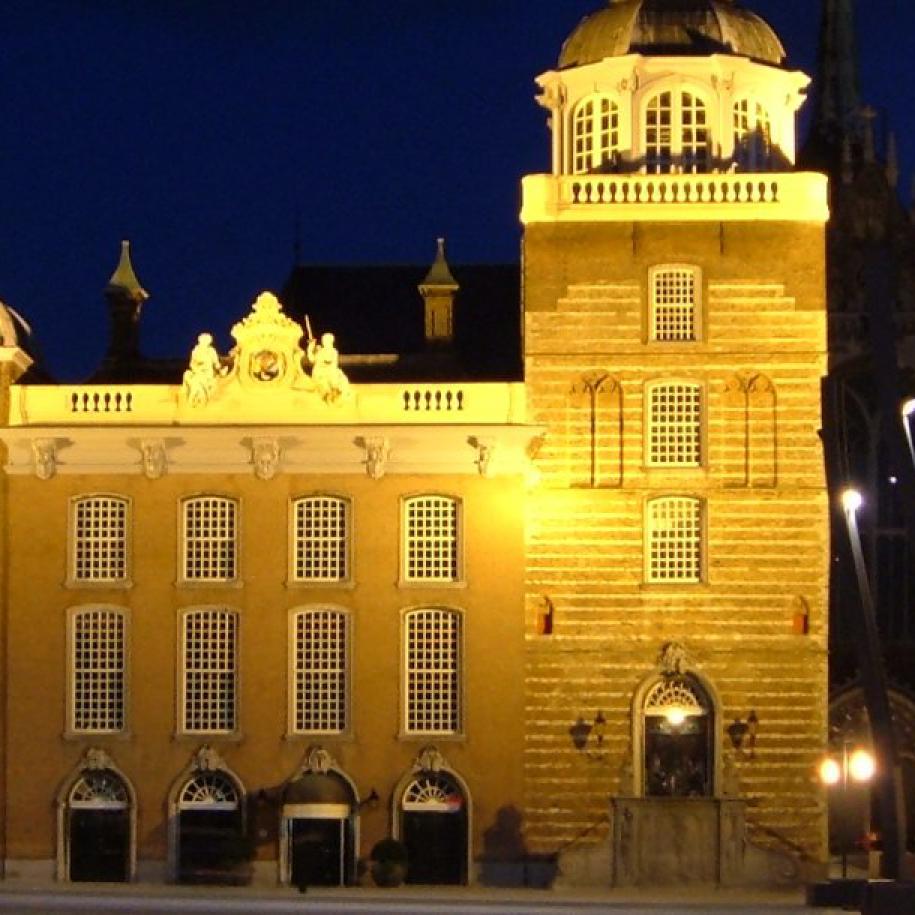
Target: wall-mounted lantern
(744, 733)
(589, 733)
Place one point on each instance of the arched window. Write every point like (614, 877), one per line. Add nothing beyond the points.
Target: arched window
(320, 539)
(595, 134)
(752, 135)
(209, 526)
(678, 729)
(98, 539)
(97, 675)
(673, 540)
(674, 424)
(208, 685)
(676, 133)
(431, 534)
(432, 671)
(320, 671)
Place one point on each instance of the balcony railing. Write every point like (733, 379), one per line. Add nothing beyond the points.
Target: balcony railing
(420, 403)
(792, 196)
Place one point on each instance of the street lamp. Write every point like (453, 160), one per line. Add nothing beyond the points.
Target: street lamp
(907, 409)
(858, 767)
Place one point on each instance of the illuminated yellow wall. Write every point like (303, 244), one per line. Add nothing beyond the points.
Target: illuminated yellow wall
(488, 756)
(763, 314)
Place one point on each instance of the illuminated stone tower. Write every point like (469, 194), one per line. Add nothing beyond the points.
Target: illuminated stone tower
(677, 538)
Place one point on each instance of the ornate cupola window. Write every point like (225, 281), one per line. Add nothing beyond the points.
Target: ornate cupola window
(672, 86)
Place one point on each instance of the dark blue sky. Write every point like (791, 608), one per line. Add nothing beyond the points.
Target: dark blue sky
(200, 128)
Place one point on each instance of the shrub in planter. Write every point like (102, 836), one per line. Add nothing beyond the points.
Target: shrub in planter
(389, 862)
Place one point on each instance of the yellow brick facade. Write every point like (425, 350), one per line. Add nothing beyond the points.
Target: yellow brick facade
(755, 626)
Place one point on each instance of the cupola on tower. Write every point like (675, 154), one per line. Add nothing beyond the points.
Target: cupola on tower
(674, 300)
(654, 86)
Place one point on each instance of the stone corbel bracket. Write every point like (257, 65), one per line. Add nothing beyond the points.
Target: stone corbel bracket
(44, 457)
(377, 452)
(154, 458)
(486, 455)
(265, 457)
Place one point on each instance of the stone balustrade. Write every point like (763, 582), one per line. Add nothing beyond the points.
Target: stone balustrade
(419, 403)
(789, 196)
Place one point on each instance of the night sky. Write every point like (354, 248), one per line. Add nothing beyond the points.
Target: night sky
(204, 130)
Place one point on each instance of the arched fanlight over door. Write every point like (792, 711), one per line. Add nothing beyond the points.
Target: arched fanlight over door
(678, 730)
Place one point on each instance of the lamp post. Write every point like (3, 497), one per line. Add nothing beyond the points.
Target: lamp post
(858, 767)
(876, 697)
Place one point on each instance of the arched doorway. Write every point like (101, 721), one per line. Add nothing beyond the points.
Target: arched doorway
(434, 822)
(95, 825)
(207, 834)
(678, 739)
(210, 829)
(319, 823)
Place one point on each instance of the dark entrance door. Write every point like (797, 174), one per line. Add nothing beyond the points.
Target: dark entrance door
(209, 846)
(316, 852)
(436, 846)
(99, 845)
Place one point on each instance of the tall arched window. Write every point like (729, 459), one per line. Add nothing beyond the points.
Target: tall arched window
(98, 539)
(98, 670)
(209, 539)
(676, 133)
(432, 671)
(208, 672)
(678, 729)
(752, 135)
(319, 671)
(320, 539)
(595, 134)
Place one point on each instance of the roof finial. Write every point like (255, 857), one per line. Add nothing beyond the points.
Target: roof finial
(124, 279)
(439, 273)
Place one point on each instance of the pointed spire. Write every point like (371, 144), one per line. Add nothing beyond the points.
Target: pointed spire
(892, 161)
(439, 273)
(869, 149)
(124, 280)
(837, 103)
(438, 290)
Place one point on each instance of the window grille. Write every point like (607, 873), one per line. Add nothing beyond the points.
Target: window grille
(676, 133)
(320, 539)
(596, 134)
(320, 671)
(433, 672)
(433, 792)
(694, 135)
(210, 539)
(210, 791)
(431, 552)
(674, 538)
(674, 425)
(658, 145)
(209, 671)
(99, 537)
(98, 662)
(673, 304)
(99, 789)
(752, 134)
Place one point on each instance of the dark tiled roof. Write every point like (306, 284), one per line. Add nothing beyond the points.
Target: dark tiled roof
(378, 309)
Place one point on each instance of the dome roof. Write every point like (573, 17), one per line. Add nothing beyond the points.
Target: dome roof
(674, 27)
